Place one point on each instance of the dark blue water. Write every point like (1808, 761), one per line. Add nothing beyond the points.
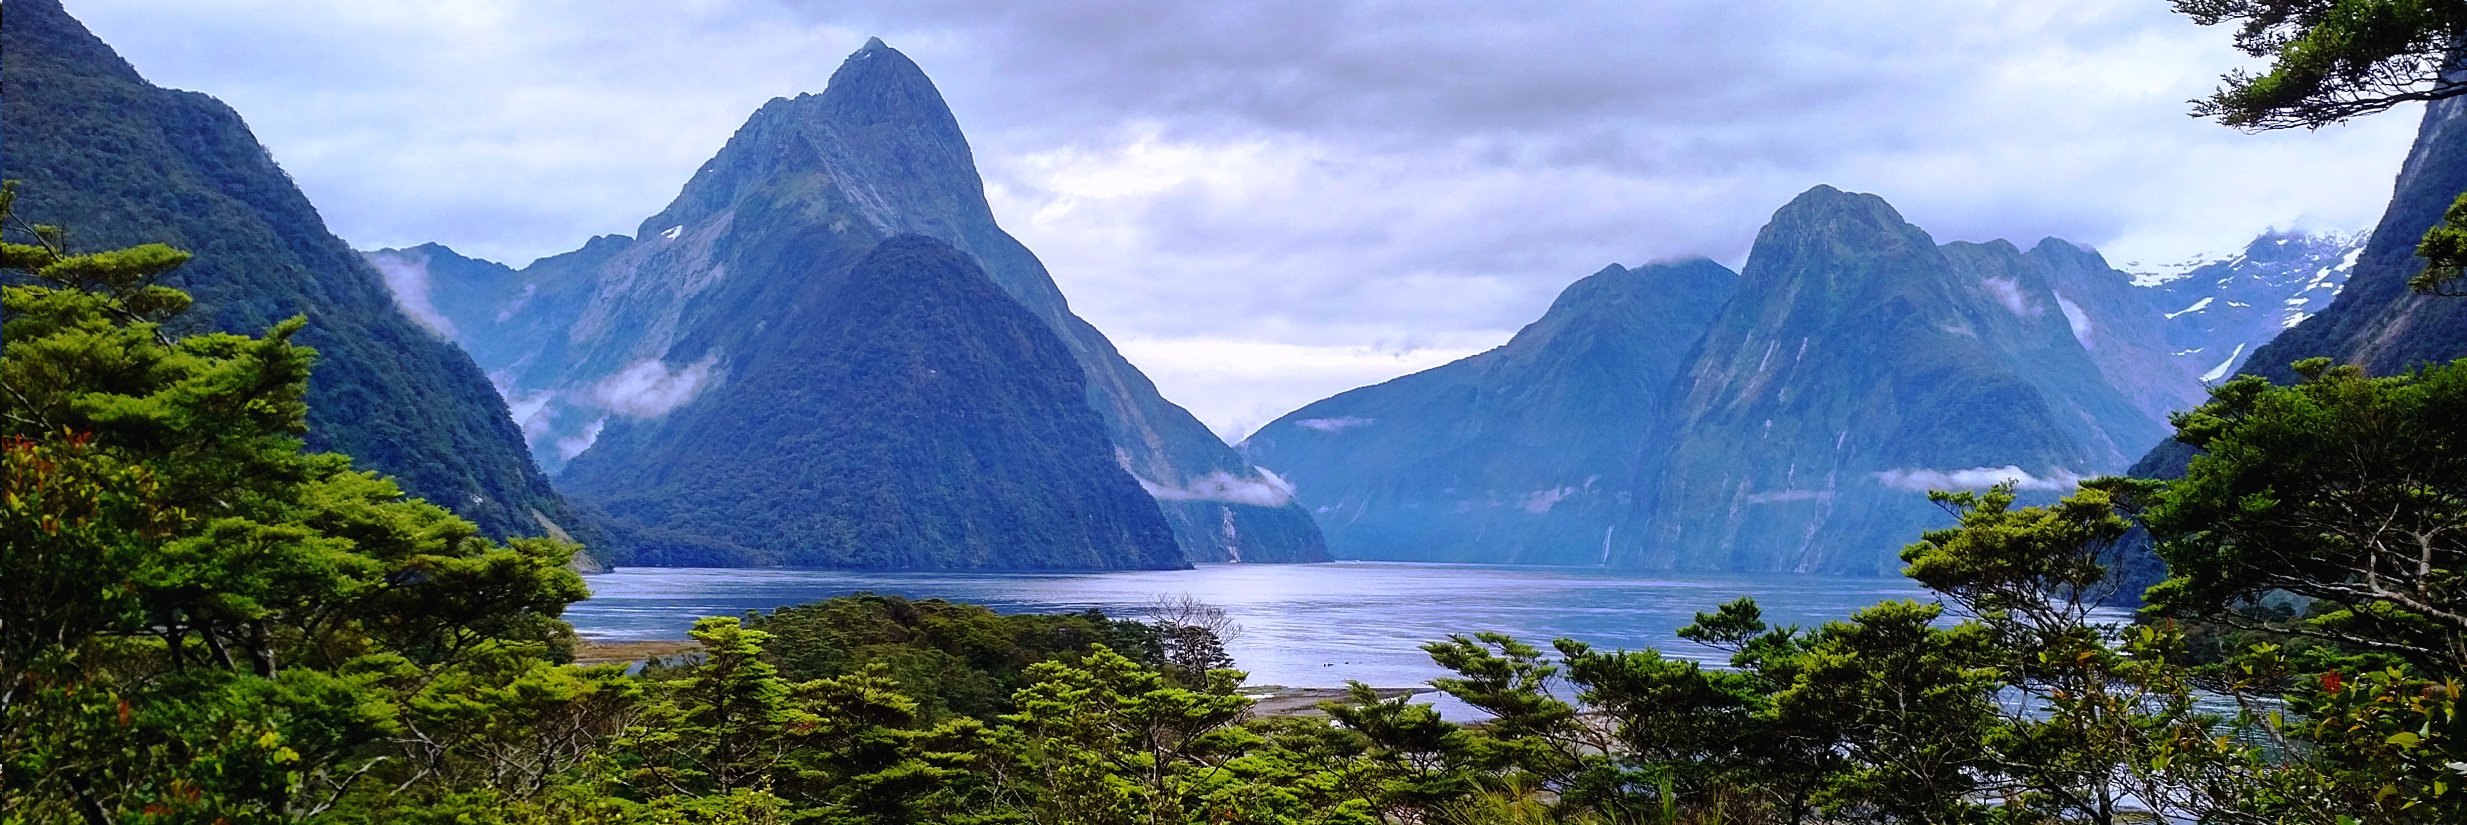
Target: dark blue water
(1304, 625)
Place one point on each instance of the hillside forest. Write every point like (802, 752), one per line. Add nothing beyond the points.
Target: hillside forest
(205, 623)
(205, 620)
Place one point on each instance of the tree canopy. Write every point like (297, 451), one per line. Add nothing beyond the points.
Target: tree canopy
(2331, 60)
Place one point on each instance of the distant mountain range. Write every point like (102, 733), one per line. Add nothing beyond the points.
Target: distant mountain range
(603, 349)
(118, 162)
(1527, 454)
(1791, 417)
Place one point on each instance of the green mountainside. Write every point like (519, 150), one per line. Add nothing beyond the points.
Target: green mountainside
(2376, 322)
(119, 162)
(907, 414)
(1858, 366)
(1524, 454)
(624, 330)
(1791, 417)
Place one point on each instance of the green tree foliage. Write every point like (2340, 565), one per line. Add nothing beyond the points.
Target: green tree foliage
(2444, 250)
(953, 659)
(2343, 494)
(2331, 60)
(2346, 490)
(202, 621)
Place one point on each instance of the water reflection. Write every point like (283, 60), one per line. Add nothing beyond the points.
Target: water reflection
(1305, 625)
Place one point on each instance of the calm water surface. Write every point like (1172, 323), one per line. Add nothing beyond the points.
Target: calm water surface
(1304, 625)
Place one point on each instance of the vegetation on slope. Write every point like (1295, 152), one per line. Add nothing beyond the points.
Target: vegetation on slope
(204, 623)
(121, 162)
(919, 417)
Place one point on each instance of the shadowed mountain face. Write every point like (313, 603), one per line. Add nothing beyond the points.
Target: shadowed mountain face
(120, 162)
(904, 414)
(2376, 322)
(1526, 454)
(624, 330)
(1857, 366)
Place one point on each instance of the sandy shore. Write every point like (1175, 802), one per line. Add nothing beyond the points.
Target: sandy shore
(1278, 700)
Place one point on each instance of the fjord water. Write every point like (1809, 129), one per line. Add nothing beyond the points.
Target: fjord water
(1304, 625)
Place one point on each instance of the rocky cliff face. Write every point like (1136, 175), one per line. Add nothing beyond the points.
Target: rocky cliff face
(625, 330)
(1526, 454)
(1857, 367)
(904, 414)
(119, 162)
(2375, 322)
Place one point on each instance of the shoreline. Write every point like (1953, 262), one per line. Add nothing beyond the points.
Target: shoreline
(1271, 700)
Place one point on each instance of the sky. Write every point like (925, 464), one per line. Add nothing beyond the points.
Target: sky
(1266, 203)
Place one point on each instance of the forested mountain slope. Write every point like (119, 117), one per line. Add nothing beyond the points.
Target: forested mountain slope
(628, 329)
(1858, 366)
(119, 162)
(904, 414)
(1524, 454)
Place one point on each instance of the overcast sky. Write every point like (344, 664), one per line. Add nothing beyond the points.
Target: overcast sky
(1265, 203)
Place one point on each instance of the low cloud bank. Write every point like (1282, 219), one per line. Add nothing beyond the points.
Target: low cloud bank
(571, 447)
(1975, 478)
(649, 388)
(1332, 425)
(407, 278)
(1268, 490)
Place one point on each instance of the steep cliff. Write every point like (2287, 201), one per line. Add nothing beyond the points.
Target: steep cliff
(904, 414)
(119, 162)
(627, 329)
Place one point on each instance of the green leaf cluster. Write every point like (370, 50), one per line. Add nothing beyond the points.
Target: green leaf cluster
(198, 620)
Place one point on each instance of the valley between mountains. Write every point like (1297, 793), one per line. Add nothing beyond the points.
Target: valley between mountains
(827, 352)
(1678, 415)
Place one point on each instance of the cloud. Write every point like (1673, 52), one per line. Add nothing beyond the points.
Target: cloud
(571, 447)
(1920, 481)
(649, 388)
(1236, 386)
(530, 412)
(406, 276)
(1319, 175)
(1268, 490)
(1335, 425)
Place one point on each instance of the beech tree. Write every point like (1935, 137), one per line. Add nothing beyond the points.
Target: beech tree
(2331, 60)
(198, 620)
(2344, 489)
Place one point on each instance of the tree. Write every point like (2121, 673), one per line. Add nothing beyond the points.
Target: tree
(196, 617)
(1193, 634)
(1416, 761)
(2101, 716)
(2347, 490)
(1108, 741)
(2331, 60)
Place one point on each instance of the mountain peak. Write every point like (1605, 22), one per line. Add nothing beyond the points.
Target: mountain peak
(880, 117)
(1824, 229)
(878, 84)
(1821, 201)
